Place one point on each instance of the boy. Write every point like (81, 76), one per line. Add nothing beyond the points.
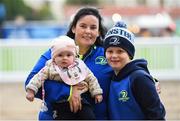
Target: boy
(132, 95)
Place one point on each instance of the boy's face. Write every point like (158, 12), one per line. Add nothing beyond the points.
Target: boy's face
(64, 59)
(117, 57)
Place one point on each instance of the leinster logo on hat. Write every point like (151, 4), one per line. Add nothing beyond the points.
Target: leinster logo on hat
(114, 41)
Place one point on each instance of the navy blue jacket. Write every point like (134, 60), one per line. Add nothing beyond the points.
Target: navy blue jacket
(133, 95)
(56, 91)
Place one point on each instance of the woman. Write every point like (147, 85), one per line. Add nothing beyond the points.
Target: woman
(87, 31)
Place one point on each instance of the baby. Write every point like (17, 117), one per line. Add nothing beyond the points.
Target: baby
(65, 67)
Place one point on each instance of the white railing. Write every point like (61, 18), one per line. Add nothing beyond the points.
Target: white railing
(163, 56)
(19, 56)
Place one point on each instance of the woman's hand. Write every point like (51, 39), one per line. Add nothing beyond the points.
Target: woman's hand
(158, 87)
(75, 100)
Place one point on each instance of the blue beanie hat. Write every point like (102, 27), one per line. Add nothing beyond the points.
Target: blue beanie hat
(120, 36)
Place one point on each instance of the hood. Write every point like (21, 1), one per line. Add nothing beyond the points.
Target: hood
(138, 64)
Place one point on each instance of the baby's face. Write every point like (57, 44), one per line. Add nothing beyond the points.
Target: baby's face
(64, 59)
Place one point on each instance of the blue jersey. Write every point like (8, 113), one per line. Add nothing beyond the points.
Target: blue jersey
(56, 91)
(122, 103)
(133, 94)
(97, 63)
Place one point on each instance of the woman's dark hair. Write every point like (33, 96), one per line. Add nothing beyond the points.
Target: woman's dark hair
(88, 11)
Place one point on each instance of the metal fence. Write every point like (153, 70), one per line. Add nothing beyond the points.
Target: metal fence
(19, 56)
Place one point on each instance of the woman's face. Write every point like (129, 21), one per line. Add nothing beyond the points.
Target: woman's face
(117, 57)
(86, 31)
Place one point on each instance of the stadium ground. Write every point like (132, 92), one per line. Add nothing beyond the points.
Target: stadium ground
(14, 106)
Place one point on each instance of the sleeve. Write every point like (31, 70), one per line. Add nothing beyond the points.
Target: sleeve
(94, 87)
(36, 82)
(55, 91)
(147, 97)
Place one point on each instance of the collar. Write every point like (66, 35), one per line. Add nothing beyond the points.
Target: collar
(88, 53)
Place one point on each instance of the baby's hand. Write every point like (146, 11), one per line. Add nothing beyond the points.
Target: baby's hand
(98, 98)
(30, 95)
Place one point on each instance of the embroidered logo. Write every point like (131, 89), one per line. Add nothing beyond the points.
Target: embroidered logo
(100, 60)
(114, 41)
(123, 96)
(55, 115)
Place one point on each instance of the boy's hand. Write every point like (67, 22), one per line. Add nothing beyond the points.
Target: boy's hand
(98, 98)
(30, 95)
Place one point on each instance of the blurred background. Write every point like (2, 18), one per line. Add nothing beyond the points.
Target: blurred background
(27, 27)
